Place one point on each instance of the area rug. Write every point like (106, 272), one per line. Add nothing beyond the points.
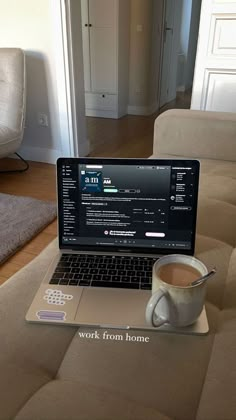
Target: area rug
(21, 218)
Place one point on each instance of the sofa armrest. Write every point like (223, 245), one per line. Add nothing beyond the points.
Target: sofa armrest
(196, 134)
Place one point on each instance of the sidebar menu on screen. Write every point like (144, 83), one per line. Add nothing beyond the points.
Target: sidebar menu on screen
(69, 202)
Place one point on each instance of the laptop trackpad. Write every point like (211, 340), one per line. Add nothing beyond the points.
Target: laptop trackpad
(113, 307)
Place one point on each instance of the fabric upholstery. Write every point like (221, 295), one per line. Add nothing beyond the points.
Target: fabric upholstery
(197, 134)
(50, 373)
(12, 99)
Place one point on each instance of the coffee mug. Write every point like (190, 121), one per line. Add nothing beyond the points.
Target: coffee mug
(174, 300)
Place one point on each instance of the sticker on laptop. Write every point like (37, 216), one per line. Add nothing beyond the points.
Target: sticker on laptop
(45, 315)
(56, 297)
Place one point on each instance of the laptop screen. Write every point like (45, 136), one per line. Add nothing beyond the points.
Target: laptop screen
(139, 205)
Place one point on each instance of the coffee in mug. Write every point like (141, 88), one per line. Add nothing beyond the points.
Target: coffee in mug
(178, 274)
(174, 300)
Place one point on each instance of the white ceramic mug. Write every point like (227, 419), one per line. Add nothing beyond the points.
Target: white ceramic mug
(175, 305)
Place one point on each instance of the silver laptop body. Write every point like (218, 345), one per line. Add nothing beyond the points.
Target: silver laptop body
(115, 213)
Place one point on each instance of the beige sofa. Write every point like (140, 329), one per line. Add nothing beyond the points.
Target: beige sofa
(49, 372)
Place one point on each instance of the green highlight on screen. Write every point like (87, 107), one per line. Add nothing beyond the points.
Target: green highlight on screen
(110, 190)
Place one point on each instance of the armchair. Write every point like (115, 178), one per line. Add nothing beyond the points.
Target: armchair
(12, 102)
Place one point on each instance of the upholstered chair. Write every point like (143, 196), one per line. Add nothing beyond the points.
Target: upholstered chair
(12, 101)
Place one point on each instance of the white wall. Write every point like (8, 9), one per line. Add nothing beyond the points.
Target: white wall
(140, 55)
(27, 24)
(34, 26)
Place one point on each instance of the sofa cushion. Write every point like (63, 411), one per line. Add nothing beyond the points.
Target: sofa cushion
(69, 400)
(215, 243)
(184, 132)
(54, 364)
(61, 375)
(218, 180)
(135, 373)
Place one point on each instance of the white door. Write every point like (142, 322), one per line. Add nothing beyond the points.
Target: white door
(214, 87)
(102, 24)
(99, 45)
(171, 42)
(102, 20)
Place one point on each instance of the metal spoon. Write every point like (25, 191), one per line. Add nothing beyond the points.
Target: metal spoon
(203, 278)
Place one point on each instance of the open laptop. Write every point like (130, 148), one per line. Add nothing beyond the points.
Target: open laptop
(115, 218)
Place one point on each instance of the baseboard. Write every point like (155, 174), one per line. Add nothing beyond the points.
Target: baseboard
(153, 108)
(101, 113)
(181, 88)
(132, 110)
(137, 110)
(38, 154)
(142, 110)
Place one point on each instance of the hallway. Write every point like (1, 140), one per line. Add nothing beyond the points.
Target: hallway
(130, 136)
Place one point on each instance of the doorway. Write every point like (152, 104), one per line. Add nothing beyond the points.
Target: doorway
(180, 28)
(131, 135)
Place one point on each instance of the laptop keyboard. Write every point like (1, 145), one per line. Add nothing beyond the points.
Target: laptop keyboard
(104, 271)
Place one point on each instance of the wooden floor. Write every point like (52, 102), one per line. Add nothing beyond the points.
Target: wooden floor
(130, 136)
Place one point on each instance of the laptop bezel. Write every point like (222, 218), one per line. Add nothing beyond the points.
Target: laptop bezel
(128, 161)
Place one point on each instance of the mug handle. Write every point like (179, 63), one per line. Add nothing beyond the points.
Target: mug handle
(151, 318)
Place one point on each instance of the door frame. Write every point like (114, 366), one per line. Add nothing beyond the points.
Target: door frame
(70, 124)
(70, 95)
(158, 85)
(70, 89)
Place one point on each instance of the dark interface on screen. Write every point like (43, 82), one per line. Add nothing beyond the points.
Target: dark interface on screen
(128, 205)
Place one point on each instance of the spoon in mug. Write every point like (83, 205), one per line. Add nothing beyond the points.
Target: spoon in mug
(203, 278)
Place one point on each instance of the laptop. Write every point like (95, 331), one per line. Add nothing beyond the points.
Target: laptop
(116, 217)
